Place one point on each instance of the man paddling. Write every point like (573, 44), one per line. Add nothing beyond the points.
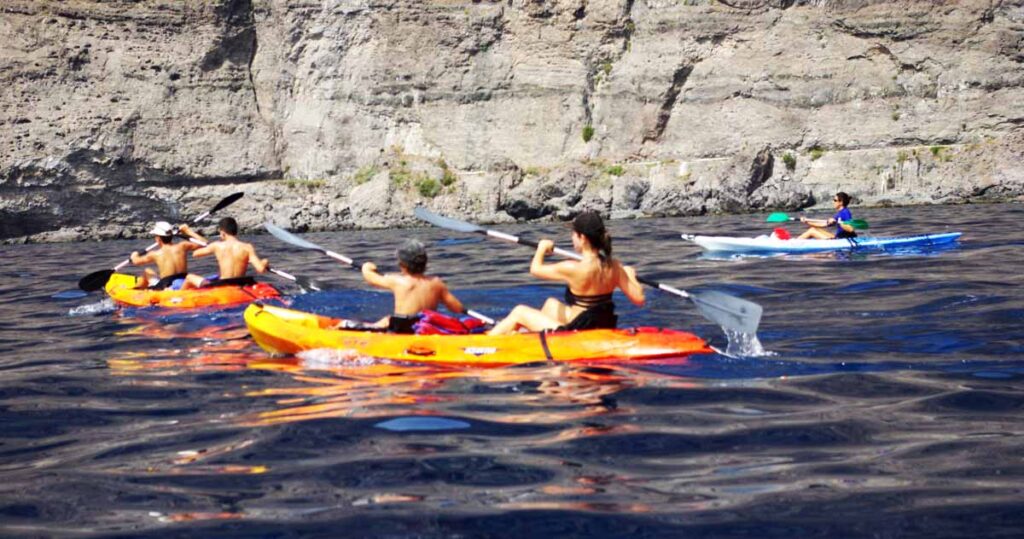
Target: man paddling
(170, 258)
(233, 259)
(819, 227)
(414, 292)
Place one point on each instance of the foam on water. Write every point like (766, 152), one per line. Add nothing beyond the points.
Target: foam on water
(327, 358)
(744, 345)
(103, 306)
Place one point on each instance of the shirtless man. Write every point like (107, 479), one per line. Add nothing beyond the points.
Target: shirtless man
(414, 291)
(170, 258)
(233, 258)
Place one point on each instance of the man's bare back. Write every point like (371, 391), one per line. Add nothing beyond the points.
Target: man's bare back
(169, 259)
(233, 256)
(416, 293)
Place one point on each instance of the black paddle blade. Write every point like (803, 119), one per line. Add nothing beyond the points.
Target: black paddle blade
(95, 280)
(730, 312)
(227, 201)
(445, 222)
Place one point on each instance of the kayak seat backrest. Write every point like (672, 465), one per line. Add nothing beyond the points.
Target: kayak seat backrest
(435, 323)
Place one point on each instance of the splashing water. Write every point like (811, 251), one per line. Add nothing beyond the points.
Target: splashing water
(327, 358)
(103, 306)
(744, 345)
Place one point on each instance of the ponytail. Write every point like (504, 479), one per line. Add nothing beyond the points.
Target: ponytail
(603, 244)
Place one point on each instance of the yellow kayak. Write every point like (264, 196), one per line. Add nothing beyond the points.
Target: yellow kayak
(282, 331)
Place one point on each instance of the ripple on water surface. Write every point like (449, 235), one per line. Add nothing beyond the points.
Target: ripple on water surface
(888, 403)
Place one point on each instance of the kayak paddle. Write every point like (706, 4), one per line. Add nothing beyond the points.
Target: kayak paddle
(98, 279)
(292, 239)
(779, 217)
(730, 312)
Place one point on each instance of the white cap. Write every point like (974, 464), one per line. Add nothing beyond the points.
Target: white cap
(163, 228)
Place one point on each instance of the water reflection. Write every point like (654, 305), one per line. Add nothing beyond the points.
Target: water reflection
(890, 405)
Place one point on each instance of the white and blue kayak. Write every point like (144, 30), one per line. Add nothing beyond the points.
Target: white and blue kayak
(773, 245)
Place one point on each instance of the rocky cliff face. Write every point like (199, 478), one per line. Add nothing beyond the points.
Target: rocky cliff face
(346, 113)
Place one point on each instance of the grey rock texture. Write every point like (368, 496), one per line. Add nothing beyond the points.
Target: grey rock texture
(347, 113)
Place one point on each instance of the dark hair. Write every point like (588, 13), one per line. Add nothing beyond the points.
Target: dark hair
(412, 255)
(166, 239)
(590, 226)
(843, 198)
(228, 225)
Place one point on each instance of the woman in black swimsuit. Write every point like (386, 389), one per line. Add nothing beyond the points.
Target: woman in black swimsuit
(590, 283)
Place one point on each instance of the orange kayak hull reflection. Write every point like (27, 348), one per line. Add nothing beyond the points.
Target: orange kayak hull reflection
(282, 331)
(121, 287)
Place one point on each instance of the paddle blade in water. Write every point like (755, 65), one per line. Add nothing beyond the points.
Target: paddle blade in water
(777, 218)
(288, 237)
(95, 280)
(859, 224)
(445, 222)
(227, 201)
(730, 312)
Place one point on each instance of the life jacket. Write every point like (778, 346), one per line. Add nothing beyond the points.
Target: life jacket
(435, 323)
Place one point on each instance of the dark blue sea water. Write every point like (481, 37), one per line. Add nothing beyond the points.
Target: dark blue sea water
(889, 403)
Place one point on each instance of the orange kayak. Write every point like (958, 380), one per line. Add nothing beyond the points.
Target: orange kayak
(121, 288)
(283, 331)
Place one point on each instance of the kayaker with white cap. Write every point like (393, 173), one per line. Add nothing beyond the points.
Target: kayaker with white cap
(414, 291)
(171, 259)
(590, 283)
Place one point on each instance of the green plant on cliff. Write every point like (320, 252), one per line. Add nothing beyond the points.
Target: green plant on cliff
(400, 177)
(901, 157)
(789, 159)
(816, 153)
(295, 183)
(615, 170)
(588, 133)
(427, 187)
(447, 176)
(364, 174)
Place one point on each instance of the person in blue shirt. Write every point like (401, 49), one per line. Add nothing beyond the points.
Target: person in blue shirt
(820, 227)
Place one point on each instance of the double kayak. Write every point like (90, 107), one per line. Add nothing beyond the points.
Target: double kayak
(773, 245)
(282, 331)
(121, 287)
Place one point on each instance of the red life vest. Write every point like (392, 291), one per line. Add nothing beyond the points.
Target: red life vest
(435, 323)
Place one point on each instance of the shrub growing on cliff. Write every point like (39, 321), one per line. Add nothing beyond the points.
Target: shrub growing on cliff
(816, 153)
(615, 170)
(447, 176)
(296, 183)
(588, 133)
(364, 174)
(400, 177)
(427, 187)
(789, 159)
